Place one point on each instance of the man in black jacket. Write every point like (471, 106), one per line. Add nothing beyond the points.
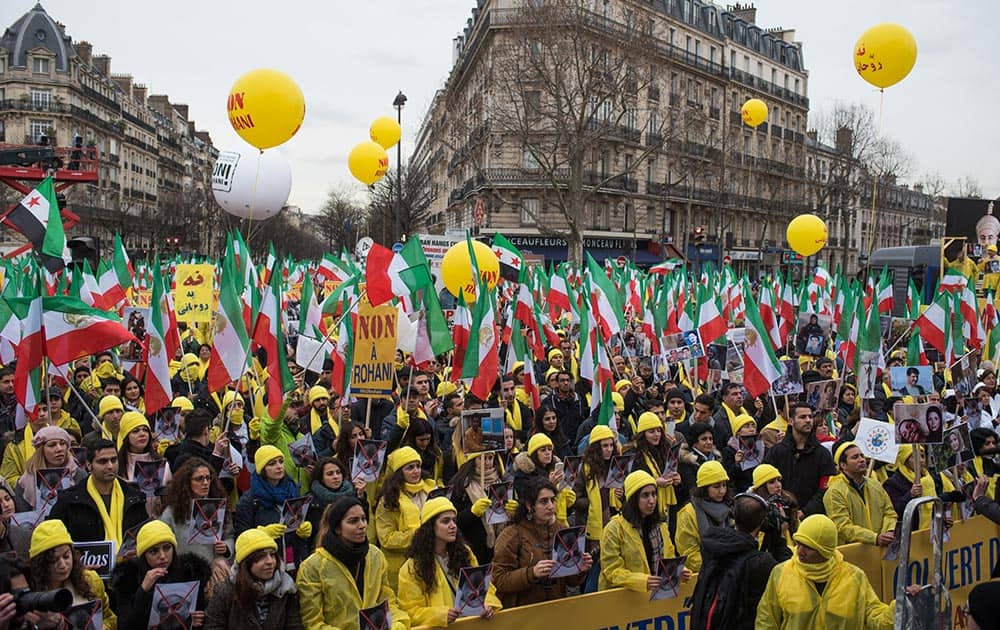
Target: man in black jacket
(196, 443)
(734, 572)
(805, 464)
(78, 509)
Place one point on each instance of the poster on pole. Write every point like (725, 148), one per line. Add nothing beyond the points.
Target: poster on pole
(374, 350)
(194, 293)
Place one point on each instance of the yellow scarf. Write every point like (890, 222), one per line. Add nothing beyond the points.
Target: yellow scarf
(927, 489)
(316, 421)
(29, 449)
(666, 496)
(732, 416)
(513, 414)
(112, 522)
(818, 573)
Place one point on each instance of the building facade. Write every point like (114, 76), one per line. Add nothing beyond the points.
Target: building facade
(154, 183)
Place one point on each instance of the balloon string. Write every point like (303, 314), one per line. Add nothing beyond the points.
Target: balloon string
(871, 218)
(253, 198)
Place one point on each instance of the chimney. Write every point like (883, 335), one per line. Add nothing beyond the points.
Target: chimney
(182, 110)
(102, 63)
(139, 92)
(124, 82)
(813, 135)
(746, 12)
(845, 139)
(160, 103)
(85, 51)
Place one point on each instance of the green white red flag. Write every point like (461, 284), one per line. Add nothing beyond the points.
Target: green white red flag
(760, 366)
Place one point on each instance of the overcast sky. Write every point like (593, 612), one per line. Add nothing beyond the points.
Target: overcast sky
(350, 59)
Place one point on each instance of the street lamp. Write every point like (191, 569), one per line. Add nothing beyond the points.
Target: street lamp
(398, 103)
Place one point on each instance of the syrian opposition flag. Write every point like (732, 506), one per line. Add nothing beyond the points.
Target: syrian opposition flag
(269, 334)
(231, 343)
(388, 274)
(74, 330)
(509, 256)
(760, 366)
(38, 218)
(158, 390)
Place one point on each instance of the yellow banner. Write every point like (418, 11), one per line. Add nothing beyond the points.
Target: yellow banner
(374, 349)
(193, 294)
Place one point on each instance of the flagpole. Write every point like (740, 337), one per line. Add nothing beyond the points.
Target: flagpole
(336, 324)
(86, 405)
(900, 338)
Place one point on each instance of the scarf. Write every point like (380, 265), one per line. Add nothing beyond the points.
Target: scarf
(927, 489)
(316, 422)
(666, 496)
(477, 490)
(710, 513)
(352, 556)
(513, 414)
(326, 496)
(732, 416)
(652, 542)
(272, 496)
(27, 448)
(112, 522)
(818, 573)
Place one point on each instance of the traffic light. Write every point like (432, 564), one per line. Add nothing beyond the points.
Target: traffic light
(173, 240)
(699, 234)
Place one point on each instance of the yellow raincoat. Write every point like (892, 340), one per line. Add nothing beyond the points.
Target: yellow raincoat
(395, 528)
(431, 609)
(688, 538)
(623, 559)
(329, 598)
(101, 595)
(857, 519)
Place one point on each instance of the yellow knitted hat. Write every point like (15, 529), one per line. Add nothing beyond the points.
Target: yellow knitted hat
(618, 400)
(131, 421)
(401, 457)
(182, 403)
(648, 420)
(109, 403)
(253, 540)
(435, 506)
(48, 535)
(741, 421)
(636, 481)
(600, 432)
(818, 532)
(711, 473)
(264, 455)
(537, 441)
(151, 534)
(764, 473)
(316, 392)
(841, 449)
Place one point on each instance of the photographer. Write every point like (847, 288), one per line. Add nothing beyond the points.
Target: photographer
(781, 519)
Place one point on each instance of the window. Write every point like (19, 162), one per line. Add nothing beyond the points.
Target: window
(760, 69)
(687, 44)
(602, 216)
(40, 99)
(668, 221)
(529, 211)
(732, 59)
(532, 104)
(3, 63)
(786, 80)
(774, 76)
(711, 54)
(603, 164)
(697, 48)
(796, 86)
(530, 163)
(629, 217)
(650, 170)
(40, 65)
(630, 118)
(654, 121)
(746, 63)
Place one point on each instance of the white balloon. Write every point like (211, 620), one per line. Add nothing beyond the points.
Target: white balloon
(250, 184)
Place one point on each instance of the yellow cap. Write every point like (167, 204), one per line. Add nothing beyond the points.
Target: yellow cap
(518, 365)
(903, 454)
(555, 352)
(317, 392)
(618, 400)
(764, 473)
(818, 532)
(109, 403)
(435, 506)
(600, 432)
(189, 360)
(711, 473)
(623, 383)
(229, 398)
(264, 455)
(252, 540)
(537, 441)
(48, 535)
(636, 481)
(741, 421)
(841, 449)
(446, 388)
(131, 420)
(151, 534)
(648, 420)
(183, 403)
(401, 457)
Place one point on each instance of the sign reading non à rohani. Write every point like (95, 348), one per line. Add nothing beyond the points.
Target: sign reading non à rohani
(374, 350)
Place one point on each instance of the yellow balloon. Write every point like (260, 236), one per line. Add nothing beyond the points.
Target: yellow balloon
(456, 269)
(385, 131)
(266, 107)
(806, 234)
(885, 54)
(368, 162)
(754, 112)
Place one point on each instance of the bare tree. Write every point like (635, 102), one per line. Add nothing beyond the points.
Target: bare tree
(339, 220)
(389, 222)
(967, 187)
(934, 184)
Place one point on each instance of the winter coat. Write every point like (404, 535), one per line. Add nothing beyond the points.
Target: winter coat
(132, 604)
(571, 412)
(739, 479)
(77, 511)
(623, 557)
(101, 594)
(329, 598)
(431, 608)
(204, 551)
(472, 527)
(848, 602)
(395, 529)
(252, 512)
(859, 516)
(804, 473)
(177, 454)
(275, 432)
(590, 503)
(225, 613)
(525, 469)
(688, 536)
(519, 547)
(732, 579)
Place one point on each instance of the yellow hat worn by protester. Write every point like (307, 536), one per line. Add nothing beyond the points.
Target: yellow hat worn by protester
(152, 534)
(109, 403)
(618, 401)
(251, 541)
(711, 473)
(317, 392)
(182, 403)
(841, 449)
(435, 506)
(600, 432)
(131, 420)
(401, 457)
(764, 473)
(537, 441)
(623, 383)
(229, 398)
(445, 388)
(817, 532)
(636, 481)
(741, 421)
(264, 455)
(554, 352)
(48, 535)
(648, 420)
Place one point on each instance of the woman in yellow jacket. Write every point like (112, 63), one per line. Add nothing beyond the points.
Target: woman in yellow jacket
(636, 540)
(429, 578)
(792, 600)
(593, 499)
(397, 512)
(54, 565)
(710, 505)
(345, 575)
(654, 454)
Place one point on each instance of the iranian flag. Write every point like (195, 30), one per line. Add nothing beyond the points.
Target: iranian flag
(269, 334)
(74, 330)
(711, 324)
(786, 310)
(331, 268)
(388, 274)
(30, 350)
(10, 332)
(667, 266)
(460, 331)
(343, 351)
(158, 390)
(558, 294)
(481, 362)
(884, 294)
(913, 300)
(38, 218)
(115, 281)
(760, 366)
(231, 343)
(605, 300)
(509, 256)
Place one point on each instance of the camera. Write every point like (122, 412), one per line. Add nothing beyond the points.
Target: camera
(776, 504)
(57, 600)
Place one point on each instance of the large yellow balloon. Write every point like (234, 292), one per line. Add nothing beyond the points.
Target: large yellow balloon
(385, 131)
(885, 54)
(368, 162)
(266, 107)
(754, 112)
(806, 234)
(456, 269)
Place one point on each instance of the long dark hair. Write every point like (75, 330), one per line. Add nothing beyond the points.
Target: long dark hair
(429, 457)
(246, 588)
(532, 489)
(658, 453)
(317, 474)
(391, 487)
(41, 572)
(630, 512)
(424, 560)
(469, 471)
(342, 449)
(179, 489)
(123, 454)
(595, 465)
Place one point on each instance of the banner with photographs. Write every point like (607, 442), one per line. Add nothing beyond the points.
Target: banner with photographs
(823, 395)
(682, 346)
(482, 430)
(670, 572)
(498, 494)
(369, 455)
(790, 381)
(911, 380)
(135, 319)
(571, 468)
(375, 618)
(303, 451)
(473, 585)
(618, 468)
(127, 548)
(750, 448)
(205, 524)
(86, 616)
(293, 511)
(812, 334)
(918, 423)
(568, 548)
(870, 362)
(877, 440)
(955, 448)
(167, 425)
(48, 483)
(172, 605)
(149, 476)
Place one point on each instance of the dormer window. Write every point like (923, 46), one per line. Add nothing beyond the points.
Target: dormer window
(40, 65)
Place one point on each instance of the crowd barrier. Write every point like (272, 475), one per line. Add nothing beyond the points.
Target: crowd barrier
(969, 557)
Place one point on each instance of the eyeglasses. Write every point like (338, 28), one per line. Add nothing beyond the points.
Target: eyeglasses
(201, 478)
